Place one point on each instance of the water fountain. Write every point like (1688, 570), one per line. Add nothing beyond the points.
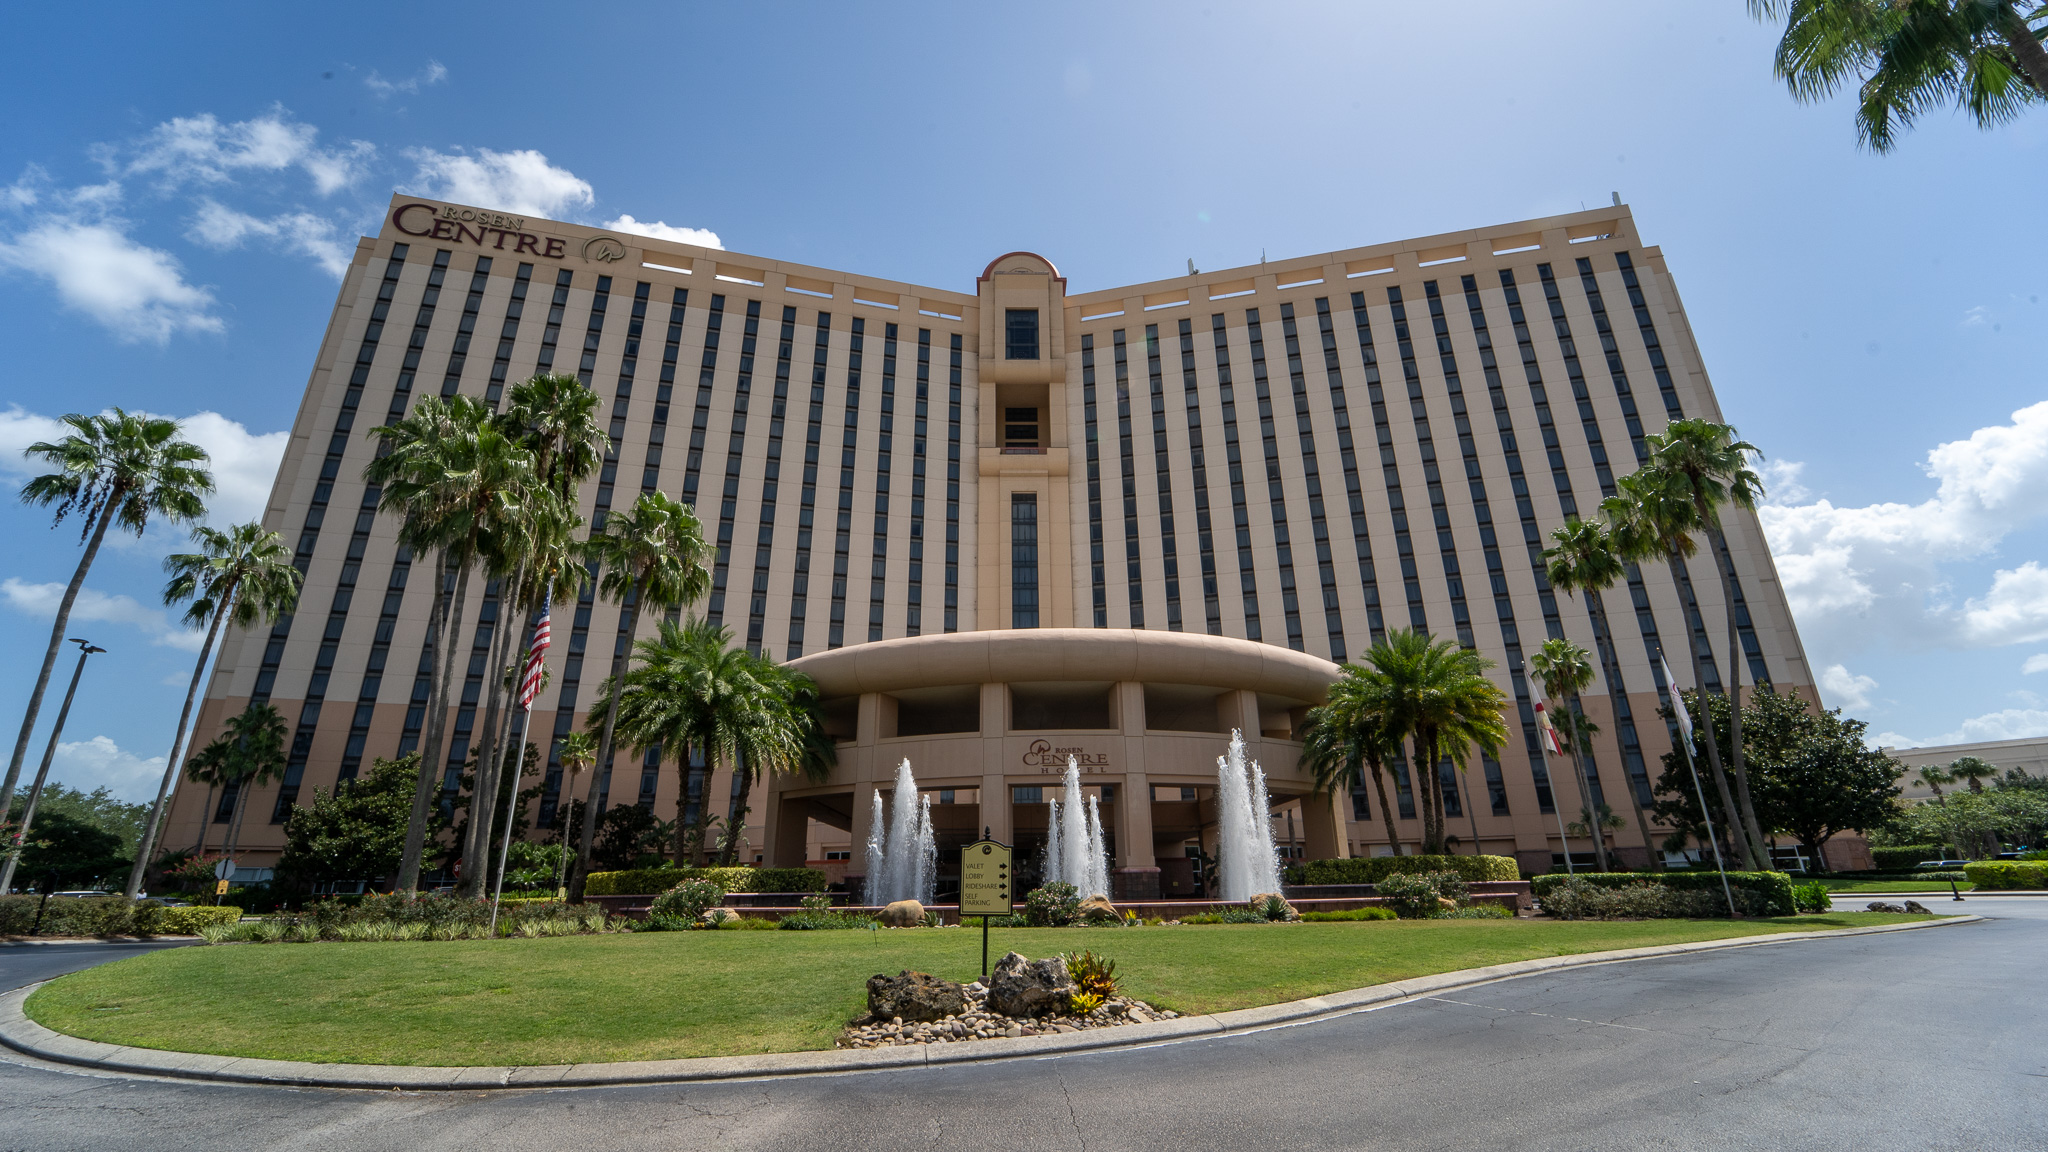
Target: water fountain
(1246, 863)
(1075, 850)
(903, 858)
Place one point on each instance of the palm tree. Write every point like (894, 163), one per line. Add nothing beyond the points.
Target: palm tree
(574, 751)
(1587, 560)
(249, 752)
(1441, 700)
(458, 481)
(1934, 778)
(1563, 670)
(238, 577)
(1596, 822)
(1349, 733)
(1650, 515)
(1972, 770)
(785, 733)
(651, 554)
(113, 468)
(1909, 56)
(1711, 466)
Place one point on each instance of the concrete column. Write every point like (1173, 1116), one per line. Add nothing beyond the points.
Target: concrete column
(863, 821)
(1240, 710)
(995, 809)
(1130, 707)
(1322, 820)
(785, 832)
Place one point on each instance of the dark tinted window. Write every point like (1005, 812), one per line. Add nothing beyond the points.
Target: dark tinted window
(1021, 329)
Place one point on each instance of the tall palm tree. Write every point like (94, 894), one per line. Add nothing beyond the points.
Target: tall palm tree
(237, 577)
(1440, 699)
(115, 468)
(1587, 560)
(1971, 770)
(650, 555)
(457, 480)
(1651, 515)
(786, 733)
(251, 753)
(1349, 734)
(1934, 778)
(1563, 670)
(1907, 57)
(1710, 465)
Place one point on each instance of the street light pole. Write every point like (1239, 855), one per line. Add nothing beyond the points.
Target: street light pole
(35, 793)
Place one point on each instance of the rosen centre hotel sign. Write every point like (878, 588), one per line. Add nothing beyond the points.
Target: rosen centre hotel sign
(1016, 523)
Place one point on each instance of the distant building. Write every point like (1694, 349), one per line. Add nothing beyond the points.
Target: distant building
(1008, 524)
(2029, 755)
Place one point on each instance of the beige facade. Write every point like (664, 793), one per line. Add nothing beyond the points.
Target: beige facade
(1294, 456)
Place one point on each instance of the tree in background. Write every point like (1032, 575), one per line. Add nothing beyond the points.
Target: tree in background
(115, 468)
(239, 577)
(1350, 733)
(1972, 770)
(1934, 778)
(250, 751)
(1563, 670)
(1970, 819)
(97, 809)
(357, 832)
(79, 853)
(1908, 57)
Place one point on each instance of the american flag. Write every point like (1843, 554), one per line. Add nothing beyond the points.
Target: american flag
(529, 682)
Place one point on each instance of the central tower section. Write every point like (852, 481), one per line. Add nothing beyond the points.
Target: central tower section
(1026, 561)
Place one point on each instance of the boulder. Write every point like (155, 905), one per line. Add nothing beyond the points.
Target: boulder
(1097, 909)
(1881, 906)
(903, 914)
(1020, 987)
(1258, 904)
(1917, 907)
(917, 997)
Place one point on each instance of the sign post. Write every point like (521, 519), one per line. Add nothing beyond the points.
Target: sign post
(985, 888)
(223, 869)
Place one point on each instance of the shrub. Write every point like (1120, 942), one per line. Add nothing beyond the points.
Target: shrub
(1241, 914)
(1349, 914)
(427, 916)
(640, 881)
(1274, 907)
(1372, 869)
(1416, 895)
(1093, 974)
(684, 905)
(811, 920)
(1082, 1003)
(2005, 875)
(1203, 918)
(1473, 912)
(189, 921)
(106, 916)
(1812, 897)
(1941, 877)
(1054, 905)
(1756, 893)
(1904, 858)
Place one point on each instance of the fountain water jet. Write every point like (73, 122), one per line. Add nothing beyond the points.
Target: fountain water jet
(1246, 864)
(903, 857)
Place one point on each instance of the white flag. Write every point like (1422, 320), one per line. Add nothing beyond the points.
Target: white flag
(1677, 702)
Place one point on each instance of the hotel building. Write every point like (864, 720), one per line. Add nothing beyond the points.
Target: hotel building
(1011, 524)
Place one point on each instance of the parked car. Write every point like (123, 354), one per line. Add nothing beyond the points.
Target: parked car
(1940, 864)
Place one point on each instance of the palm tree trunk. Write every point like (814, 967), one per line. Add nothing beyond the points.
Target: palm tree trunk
(1731, 816)
(1603, 639)
(144, 849)
(602, 769)
(235, 819)
(205, 821)
(1578, 734)
(1736, 658)
(423, 790)
(476, 848)
(736, 815)
(1379, 781)
(2027, 50)
(57, 629)
(1424, 774)
(682, 804)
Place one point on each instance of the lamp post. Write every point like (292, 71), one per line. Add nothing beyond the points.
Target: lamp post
(35, 793)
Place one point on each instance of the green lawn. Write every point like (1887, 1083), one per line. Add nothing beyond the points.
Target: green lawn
(1852, 887)
(675, 994)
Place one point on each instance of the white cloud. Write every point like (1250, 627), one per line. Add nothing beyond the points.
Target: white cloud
(434, 73)
(2038, 662)
(521, 182)
(202, 150)
(1977, 317)
(137, 291)
(701, 237)
(89, 764)
(1781, 481)
(218, 226)
(244, 463)
(1875, 572)
(2010, 724)
(1845, 689)
(95, 607)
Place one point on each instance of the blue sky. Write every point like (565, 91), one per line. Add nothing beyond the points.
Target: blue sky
(174, 205)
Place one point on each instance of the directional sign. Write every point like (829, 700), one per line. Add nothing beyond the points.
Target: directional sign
(985, 879)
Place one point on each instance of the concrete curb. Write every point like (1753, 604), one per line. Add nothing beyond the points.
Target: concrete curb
(26, 1036)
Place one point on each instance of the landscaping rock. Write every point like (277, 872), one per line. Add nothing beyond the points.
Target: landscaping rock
(976, 1021)
(1917, 907)
(1021, 987)
(903, 914)
(1098, 909)
(1881, 906)
(914, 996)
(1259, 902)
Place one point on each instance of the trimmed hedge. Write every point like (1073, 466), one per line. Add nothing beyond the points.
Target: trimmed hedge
(1373, 869)
(650, 881)
(1771, 891)
(2003, 875)
(108, 916)
(1907, 858)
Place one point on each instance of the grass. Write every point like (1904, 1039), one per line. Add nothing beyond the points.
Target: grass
(677, 994)
(1855, 886)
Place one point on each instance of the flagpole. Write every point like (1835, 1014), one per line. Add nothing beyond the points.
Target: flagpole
(1685, 741)
(530, 677)
(1549, 733)
(511, 803)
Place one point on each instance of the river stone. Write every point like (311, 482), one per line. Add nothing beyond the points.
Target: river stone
(914, 996)
(1021, 987)
(903, 914)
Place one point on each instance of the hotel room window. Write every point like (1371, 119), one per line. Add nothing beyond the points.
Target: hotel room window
(1020, 327)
